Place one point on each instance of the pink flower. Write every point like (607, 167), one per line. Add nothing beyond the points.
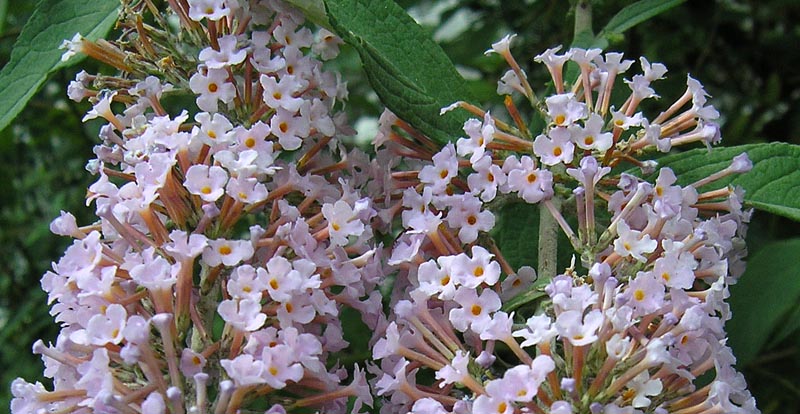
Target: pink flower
(486, 178)
(342, 222)
(289, 129)
(479, 136)
(105, 328)
(244, 315)
(455, 371)
(244, 283)
(191, 362)
(227, 55)
(153, 272)
(246, 190)
(280, 366)
(185, 246)
(444, 168)
(227, 252)
(555, 148)
(475, 310)
(477, 270)
(467, 217)
(533, 184)
(646, 293)
(212, 87)
(538, 329)
(485, 404)
(564, 110)
(244, 370)
(578, 329)
(208, 9)
(280, 93)
(297, 309)
(633, 243)
(590, 136)
(206, 182)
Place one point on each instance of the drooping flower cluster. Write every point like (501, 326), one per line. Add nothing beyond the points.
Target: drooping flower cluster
(633, 331)
(226, 246)
(231, 237)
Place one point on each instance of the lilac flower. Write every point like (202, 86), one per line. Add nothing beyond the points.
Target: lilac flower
(475, 309)
(532, 184)
(226, 55)
(211, 88)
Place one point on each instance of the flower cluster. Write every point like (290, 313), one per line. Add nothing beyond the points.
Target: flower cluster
(226, 246)
(232, 236)
(631, 333)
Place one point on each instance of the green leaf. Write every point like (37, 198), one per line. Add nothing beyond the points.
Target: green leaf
(408, 70)
(766, 292)
(773, 185)
(3, 14)
(313, 10)
(516, 233)
(632, 15)
(36, 53)
(788, 325)
(533, 294)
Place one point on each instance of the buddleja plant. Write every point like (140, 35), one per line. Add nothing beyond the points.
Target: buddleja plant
(233, 233)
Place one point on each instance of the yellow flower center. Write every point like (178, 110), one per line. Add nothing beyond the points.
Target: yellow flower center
(476, 310)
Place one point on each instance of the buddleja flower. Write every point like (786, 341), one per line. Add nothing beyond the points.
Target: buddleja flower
(226, 247)
(630, 327)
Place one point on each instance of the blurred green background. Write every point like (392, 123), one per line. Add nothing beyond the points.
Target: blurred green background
(745, 53)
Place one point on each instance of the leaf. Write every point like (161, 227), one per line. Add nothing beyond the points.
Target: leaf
(773, 185)
(632, 15)
(408, 70)
(516, 233)
(3, 14)
(534, 293)
(313, 10)
(787, 326)
(36, 53)
(765, 293)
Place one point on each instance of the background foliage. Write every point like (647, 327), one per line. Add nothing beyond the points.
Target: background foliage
(743, 51)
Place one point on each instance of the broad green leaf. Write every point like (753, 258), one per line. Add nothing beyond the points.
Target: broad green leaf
(789, 325)
(409, 72)
(516, 233)
(36, 52)
(764, 295)
(313, 10)
(3, 14)
(773, 185)
(632, 15)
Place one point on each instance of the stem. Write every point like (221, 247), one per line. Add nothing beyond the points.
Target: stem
(583, 18)
(548, 241)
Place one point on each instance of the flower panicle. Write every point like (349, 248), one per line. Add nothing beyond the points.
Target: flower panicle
(631, 331)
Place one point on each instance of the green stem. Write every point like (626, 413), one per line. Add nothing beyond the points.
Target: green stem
(583, 18)
(548, 241)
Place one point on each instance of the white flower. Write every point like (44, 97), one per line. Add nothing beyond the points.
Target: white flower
(212, 87)
(342, 222)
(72, 46)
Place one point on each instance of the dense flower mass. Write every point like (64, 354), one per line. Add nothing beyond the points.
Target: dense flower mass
(633, 331)
(232, 235)
(227, 245)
